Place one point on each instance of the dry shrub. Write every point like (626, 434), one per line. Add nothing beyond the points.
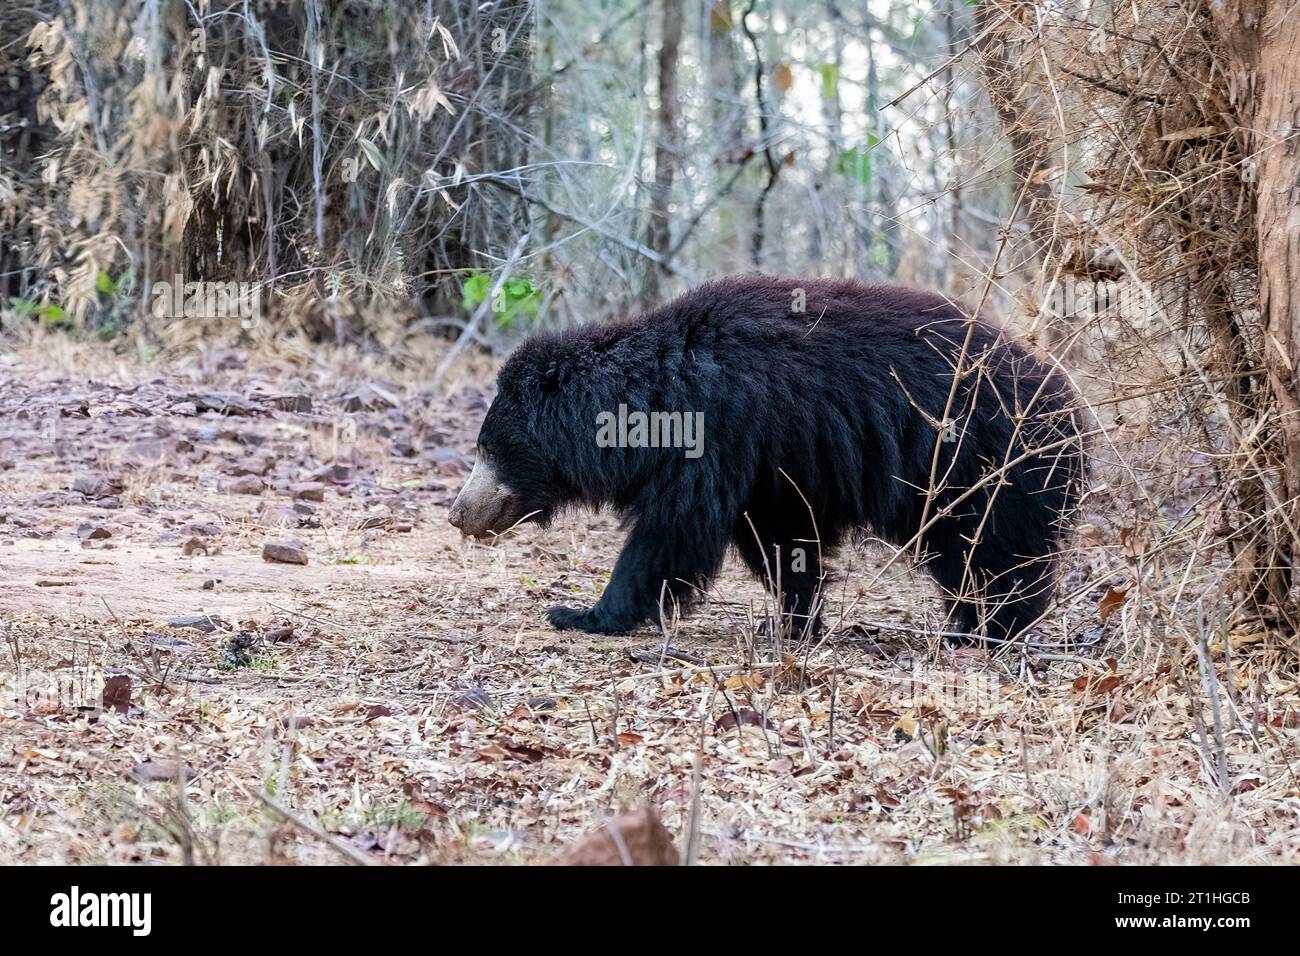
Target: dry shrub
(307, 149)
(1138, 208)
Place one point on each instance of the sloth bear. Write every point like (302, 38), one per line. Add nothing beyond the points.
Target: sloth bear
(779, 416)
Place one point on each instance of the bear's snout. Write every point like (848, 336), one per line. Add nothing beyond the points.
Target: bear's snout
(484, 505)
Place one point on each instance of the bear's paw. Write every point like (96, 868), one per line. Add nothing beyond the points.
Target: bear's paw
(589, 620)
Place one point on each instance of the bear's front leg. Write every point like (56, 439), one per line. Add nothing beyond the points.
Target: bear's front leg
(651, 557)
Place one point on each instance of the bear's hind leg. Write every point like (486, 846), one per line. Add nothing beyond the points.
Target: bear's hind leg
(982, 603)
(1018, 598)
(788, 562)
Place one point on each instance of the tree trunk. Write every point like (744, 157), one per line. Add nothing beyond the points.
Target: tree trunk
(666, 147)
(1262, 40)
(759, 235)
(1000, 30)
(951, 101)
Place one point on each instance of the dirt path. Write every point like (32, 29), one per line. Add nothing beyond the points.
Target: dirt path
(401, 693)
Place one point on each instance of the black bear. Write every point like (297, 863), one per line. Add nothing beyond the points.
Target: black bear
(780, 416)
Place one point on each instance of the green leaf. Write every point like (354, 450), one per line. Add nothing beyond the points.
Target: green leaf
(519, 298)
(878, 254)
(516, 297)
(104, 283)
(22, 307)
(830, 80)
(474, 290)
(354, 559)
(856, 164)
(52, 314)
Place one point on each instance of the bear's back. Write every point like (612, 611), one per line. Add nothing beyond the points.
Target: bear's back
(792, 303)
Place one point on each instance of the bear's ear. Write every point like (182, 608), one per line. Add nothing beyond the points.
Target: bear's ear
(550, 379)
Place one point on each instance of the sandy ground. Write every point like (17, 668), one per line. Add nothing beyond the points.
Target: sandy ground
(399, 698)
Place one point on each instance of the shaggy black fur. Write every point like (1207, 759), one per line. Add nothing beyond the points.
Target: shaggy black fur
(816, 425)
